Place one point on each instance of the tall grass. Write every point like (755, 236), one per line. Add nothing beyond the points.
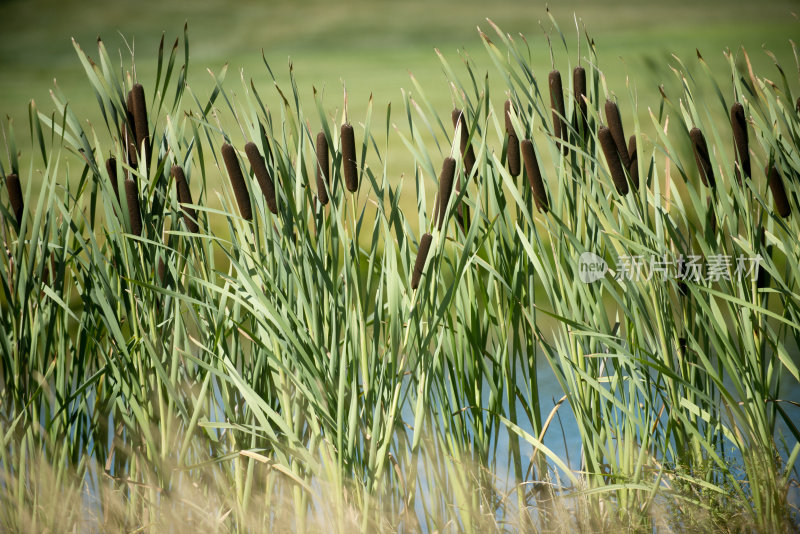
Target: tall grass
(351, 366)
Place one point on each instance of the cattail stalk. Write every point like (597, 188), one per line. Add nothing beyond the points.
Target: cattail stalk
(779, 192)
(349, 162)
(612, 158)
(701, 156)
(512, 147)
(134, 214)
(557, 107)
(633, 170)
(323, 168)
(445, 187)
(15, 196)
(265, 182)
(237, 181)
(739, 127)
(579, 89)
(422, 256)
(111, 169)
(140, 119)
(617, 133)
(467, 154)
(185, 198)
(534, 176)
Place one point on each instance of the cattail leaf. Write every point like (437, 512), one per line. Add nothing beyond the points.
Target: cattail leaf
(422, 256)
(701, 156)
(349, 162)
(263, 177)
(611, 153)
(185, 198)
(534, 175)
(237, 181)
(618, 134)
(323, 168)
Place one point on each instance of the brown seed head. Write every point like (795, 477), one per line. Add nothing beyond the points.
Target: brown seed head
(612, 158)
(445, 187)
(779, 192)
(185, 198)
(422, 256)
(557, 105)
(111, 169)
(739, 126)
(633, 158)
(237, 181)
(615, 126)
(349, 162)
(265, 182)
(15, 196)
(534, 176)
(701, 157)
(140, 119)
(134, 214)
(323, 168)
(467, 154)
(579, 89)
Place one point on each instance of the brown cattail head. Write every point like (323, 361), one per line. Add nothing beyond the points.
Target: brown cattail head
(797, 107)
(579, 89)
(135, 216)
(162, 269)
(265, 182)
(512, 147)
(445, 187)
(130, 131)
(739, 126)
(422, 256)
(701, 157)
(534, 176)
(237, 181)
(349, 162)
(185, 198)
(323, 168)
(633, 170)
(467, 154)
(15, 196)
(111, 169)
(682, 346)
(778, 192)
(557, 105)
(140, 119)
(763, 277)
(612, 158)
(617, 133)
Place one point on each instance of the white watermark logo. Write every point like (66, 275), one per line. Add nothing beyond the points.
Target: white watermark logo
(591, 267)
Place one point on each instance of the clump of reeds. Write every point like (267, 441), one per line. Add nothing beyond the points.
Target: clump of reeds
(579, 91)
(445, 188)
(617, 133)
(467, 154)
(323, 168)
(534, 176)
(259, 166)
(422, 256)
(140, 119)
(778, 192)
(349, 163)
(739, 126)
(185, 198)
(15, 196)
(701, 156)
(557, 107)
(134, 214)
(111, 169)
(512, 146)
(237, 181)
(633, 169)
(613, 159)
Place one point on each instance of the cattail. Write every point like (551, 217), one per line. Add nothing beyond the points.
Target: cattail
(323, 167)
(237, 181)
(140, 119)
(111, 169)
(633, 170)
(682, 346)
(185, 198)
(259, 167)
(512, 147)
(617, 133)
(467, 154)
(763, 277)
(739, 126)
(445, 187)
(701, 157)
(422, 255)
(557, 106)
(778, 192)
(579, 87)
(130, 131)
(349, 162)
(534, 176)
(132, 195)
(15, 196)
(612, 158)
(797, 107)
(162, 269)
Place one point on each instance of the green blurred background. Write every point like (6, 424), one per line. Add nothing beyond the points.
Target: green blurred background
(373, 45)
